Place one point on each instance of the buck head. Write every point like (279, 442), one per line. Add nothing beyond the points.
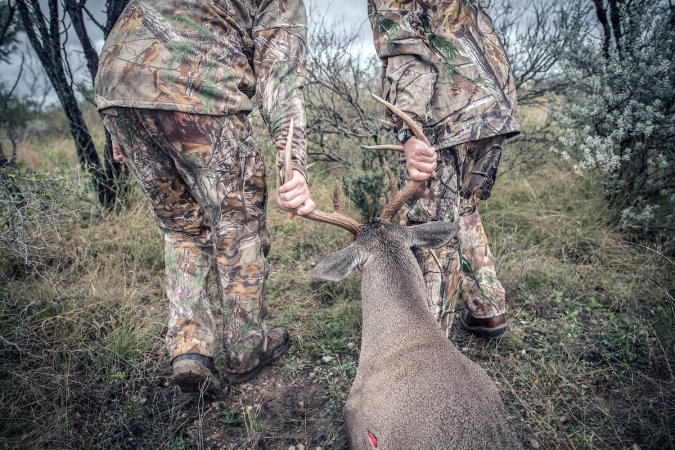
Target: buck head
(381, 242)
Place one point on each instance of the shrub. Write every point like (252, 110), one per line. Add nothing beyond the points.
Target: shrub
(618, 112)
(32, 206)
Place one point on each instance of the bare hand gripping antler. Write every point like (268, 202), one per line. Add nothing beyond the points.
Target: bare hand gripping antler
(337, 217)
(396, 200)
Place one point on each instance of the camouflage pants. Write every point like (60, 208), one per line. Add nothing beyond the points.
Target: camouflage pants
(463, 269)
(205, 180)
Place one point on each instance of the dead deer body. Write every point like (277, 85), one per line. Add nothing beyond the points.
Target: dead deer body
(413, 388)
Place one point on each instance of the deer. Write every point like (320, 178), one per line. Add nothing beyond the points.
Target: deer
(413, 388)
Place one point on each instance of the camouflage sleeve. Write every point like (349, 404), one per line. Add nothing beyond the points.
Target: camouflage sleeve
(279, 35)
(409, 74)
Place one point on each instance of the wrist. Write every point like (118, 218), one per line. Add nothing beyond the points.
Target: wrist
(301, 169)
(403, 135)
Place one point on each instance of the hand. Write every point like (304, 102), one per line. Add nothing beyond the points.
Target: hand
(420, 159)
(295, 194)
(117, 154)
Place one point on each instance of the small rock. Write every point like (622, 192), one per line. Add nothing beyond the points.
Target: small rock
(330, 374)
(312, 374)
(465, 349)
(350, 346)
(327, 359)
(166, 383)
(249, 408)
(318, 448)
(300, 447)
(535, 444)
(301, 404)
(142, 400)
(292, 447)
(636, 447)
(523, 352)
(563, 419)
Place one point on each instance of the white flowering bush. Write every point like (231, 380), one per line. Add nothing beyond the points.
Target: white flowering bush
(617, 115)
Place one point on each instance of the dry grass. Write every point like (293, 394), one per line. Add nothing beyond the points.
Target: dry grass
(588, 366)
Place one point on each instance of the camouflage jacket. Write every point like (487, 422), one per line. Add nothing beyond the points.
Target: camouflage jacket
(444, 65)
(210, 57)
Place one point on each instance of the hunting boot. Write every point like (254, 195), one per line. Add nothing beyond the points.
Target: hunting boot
(193, 372)
(277, 343)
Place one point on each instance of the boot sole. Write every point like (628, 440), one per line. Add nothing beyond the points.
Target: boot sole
(191, 376)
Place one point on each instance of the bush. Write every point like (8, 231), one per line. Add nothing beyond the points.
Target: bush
(32, 206)
(618, 112)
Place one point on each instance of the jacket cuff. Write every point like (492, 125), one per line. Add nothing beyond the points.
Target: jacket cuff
(302, 169)
(296, 166)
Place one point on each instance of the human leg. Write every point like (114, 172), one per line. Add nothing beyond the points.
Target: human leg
(438, 200)
(463, 268)
(187, 247)
(225, 170)
(482, 292)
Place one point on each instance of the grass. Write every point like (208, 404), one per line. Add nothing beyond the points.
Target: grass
(588, 365)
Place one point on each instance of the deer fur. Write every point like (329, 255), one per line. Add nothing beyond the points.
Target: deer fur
(413, 389)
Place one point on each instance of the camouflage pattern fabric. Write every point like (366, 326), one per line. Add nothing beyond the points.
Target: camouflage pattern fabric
(210, 57)
(445, 67)
(205, 180)
(463, 269)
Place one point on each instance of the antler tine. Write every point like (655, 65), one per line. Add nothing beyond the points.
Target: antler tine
(288, 164)
(398, 198)
(335, 218)
(387, 123)
(288, 154)
(393, 188)
(414, 127)
(398, 148)
(336, 198)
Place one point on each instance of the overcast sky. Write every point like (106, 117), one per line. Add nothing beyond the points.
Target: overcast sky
(352, 14)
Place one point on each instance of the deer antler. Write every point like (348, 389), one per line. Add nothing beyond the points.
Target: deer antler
(398, 198)
(337, 217)
(398, 148)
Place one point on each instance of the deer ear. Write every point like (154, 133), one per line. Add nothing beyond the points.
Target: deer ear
(431, 234)
(338, 265)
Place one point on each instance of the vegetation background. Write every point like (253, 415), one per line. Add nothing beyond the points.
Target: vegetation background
(580, 224)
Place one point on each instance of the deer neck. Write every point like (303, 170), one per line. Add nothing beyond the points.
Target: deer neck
(393, 303)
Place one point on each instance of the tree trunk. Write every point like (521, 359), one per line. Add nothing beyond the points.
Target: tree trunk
(112, 173)
(601, 13)
(76, 14)
(3, 158)
(45, 38)
(615, 17)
